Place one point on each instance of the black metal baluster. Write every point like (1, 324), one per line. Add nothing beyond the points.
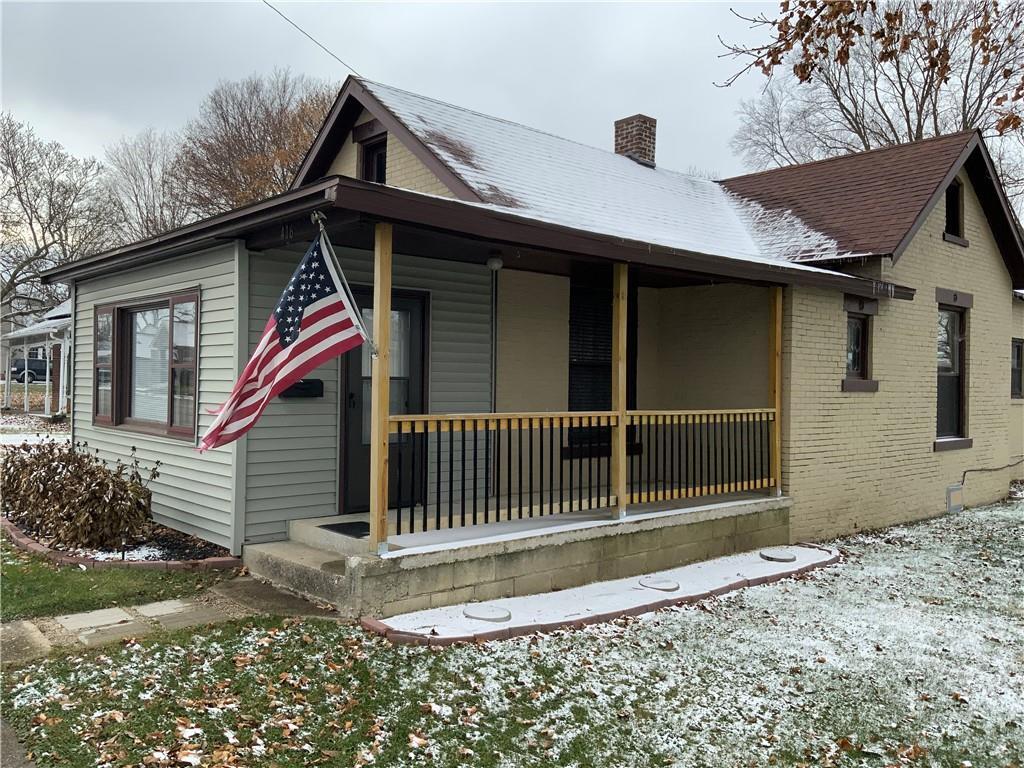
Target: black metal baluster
(451, 472)
(540, 467)
(462, 491)
(561, 465)
(590, 464)
(437, 479)
(529, 436)
(487, 471)
(551, 467)
(476, 474)
(572, 460)
(398, 506)
(508, 482)
(519, 461)
(425, 471)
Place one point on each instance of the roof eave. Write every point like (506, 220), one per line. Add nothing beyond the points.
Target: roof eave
(201, 234)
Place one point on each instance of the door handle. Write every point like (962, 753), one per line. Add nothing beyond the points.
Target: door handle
(351, 399)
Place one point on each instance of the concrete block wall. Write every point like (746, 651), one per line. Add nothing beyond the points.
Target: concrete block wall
(855, 461)
(563, 560)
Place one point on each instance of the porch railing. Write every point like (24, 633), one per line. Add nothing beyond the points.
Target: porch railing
(457, 470)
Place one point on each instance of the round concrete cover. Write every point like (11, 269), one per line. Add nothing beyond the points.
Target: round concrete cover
(485, 612)
(777, 555)
(659, 583)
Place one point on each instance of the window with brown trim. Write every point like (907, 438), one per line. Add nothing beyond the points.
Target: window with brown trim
(954, 230)
(1017, 369)
(374, 160)
(857, 329)
(146, 364)
(952, 381)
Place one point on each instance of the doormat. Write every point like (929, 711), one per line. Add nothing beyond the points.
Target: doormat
(357, 530)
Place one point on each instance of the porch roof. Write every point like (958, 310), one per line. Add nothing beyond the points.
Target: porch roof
(478, 221)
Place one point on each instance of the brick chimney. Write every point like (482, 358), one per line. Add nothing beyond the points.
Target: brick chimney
(634, 138)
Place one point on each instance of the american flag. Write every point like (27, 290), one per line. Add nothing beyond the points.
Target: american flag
(312, 323)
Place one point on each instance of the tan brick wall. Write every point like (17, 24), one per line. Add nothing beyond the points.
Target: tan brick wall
(865, 460)
(1017, 406)
(404, 169)
(532, 342)
(712, 349)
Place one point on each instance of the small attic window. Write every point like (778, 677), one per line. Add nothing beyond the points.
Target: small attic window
(954, 231)
(374, 160)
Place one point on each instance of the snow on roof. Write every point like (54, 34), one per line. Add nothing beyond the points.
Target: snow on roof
(42, 328)
(545, 177)
(61, 310)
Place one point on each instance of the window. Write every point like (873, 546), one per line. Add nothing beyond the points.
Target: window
(374, 162)
(950, 367)
(400, 365)
(590, 353)
(145, 365)
(1017, 368)
(858, 344)
(954, 232)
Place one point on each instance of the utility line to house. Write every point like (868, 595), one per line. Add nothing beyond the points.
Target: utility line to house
(316, 42)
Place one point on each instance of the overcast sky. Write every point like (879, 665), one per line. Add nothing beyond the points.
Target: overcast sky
(87, 73)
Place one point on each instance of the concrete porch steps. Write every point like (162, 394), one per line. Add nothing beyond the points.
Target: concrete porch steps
(312, 572)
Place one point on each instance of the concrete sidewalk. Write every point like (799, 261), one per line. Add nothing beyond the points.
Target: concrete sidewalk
(24, 641)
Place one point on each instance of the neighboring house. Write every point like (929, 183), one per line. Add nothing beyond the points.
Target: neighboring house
(597, 367)
(38, 342)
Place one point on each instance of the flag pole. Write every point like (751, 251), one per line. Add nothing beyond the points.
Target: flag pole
(357, 315)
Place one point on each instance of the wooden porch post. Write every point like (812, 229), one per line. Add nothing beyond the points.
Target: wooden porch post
(380, 371)
(620, 297)
(775, 385)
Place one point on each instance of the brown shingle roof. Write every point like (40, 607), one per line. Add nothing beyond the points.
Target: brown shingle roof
(868, 201)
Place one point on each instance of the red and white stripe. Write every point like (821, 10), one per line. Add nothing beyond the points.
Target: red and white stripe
(328, 329)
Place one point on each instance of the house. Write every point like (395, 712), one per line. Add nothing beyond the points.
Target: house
(41, 340)
(596, 367)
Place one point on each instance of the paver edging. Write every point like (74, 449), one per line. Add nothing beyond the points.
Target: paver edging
(23, 541)
(406, 637)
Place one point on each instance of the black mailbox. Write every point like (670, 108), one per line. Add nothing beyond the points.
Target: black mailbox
(304, 388)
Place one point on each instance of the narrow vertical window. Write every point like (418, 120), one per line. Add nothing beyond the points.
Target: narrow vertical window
(950, 368)
(374, 161)
(103, 358)
(183, 358)
(954, 209)
(1017, 369)
(856, 346)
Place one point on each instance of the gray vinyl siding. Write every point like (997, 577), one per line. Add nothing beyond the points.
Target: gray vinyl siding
(293, 452)
(194, 492)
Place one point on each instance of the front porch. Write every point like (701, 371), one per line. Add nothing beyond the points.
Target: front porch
(668, 452)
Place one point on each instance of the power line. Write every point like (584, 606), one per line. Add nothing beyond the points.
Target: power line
(320, 45)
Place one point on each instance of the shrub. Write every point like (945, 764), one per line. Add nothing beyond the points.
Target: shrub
(70, 495)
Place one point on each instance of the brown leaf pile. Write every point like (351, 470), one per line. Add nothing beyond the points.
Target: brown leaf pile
(72, 496)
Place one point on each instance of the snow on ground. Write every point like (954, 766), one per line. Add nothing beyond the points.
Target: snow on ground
(605, 597)
(22, 438)
(909, 653)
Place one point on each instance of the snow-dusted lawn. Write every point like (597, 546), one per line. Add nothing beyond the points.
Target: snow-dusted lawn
(910, 653)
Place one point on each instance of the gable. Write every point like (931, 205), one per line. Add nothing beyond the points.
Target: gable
(410, 164)
(404, 169)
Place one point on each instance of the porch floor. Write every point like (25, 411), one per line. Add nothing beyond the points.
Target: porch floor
(312, 532)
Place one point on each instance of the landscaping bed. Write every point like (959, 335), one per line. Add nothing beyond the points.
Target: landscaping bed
(157, 547)
(909, 653)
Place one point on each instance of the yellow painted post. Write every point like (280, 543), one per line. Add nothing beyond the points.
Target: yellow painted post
(775, 385)
(620, 299)
(380, 381)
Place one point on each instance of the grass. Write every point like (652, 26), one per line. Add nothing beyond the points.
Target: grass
(31, 586)
(910, 653)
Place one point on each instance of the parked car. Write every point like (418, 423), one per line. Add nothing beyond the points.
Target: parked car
(36, 370)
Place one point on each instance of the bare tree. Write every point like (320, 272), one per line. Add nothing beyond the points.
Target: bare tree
(249, 139)
(138, 175)
(52, 211)
(869, 74)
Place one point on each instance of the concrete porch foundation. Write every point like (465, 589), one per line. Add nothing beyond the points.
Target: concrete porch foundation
(563, 554)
